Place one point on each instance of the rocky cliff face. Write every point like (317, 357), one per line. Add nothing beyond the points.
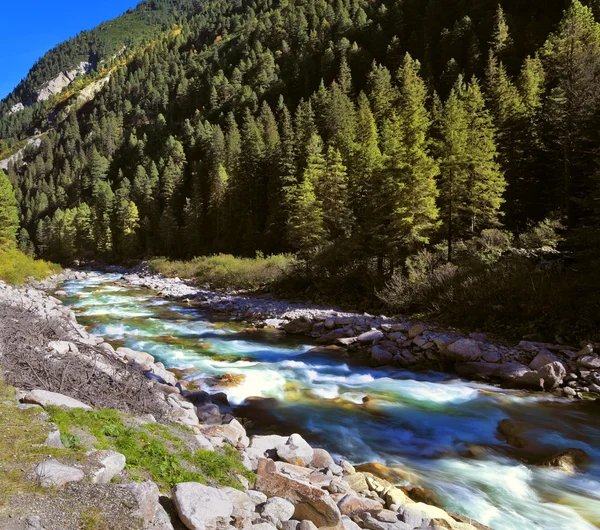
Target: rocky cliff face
(54, 86)
(62, 80)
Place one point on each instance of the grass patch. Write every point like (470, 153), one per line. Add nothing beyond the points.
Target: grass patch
(16, 267)
(224, 271)
(153, 449)
(21, 439)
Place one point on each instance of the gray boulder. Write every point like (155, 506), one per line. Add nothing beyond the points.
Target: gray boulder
(202, 507)
(370, 336)
(106, 466)
(542, 359)
(589, 361)
(45, 398)
(296, 451)
(465, 350)
(278, 509)
(149, 510)
(380, 357)
(53, 473)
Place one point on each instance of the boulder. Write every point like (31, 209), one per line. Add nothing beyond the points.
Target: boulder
(542, 359)
(139, 357)
(307, 525)
(263, 526)
(589, 361)
(149, 509)
(569, 460)
(311, 503)
(465, 350)
(298, 326)
(321, 459)
(45, 398)
(243, 507)
(380, 357)
(357, 481)
(53, 473)
(349, 524)
(415, 330)
(106, 466)
(295, 451)
(352, 505)
(370, 336)
(549, 377)
(267, 444)
(202, 507)
(61, 347)
(492, 356)
(209, 414)
(234, 432)
(277, 508)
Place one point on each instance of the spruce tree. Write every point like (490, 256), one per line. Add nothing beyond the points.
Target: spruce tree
(9, 214)
(410, 169)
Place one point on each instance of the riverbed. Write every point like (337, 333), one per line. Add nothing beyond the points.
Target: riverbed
(430, 428)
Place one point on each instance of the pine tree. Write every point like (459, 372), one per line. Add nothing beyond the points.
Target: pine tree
(571, 59)
(453, 155)
(410, 170)
(9, 214)
(305, 229)
(332, 191)
(486, 183)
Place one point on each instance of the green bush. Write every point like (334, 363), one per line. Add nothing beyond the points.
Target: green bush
(16, 267)
(546, 233)
(224, 271)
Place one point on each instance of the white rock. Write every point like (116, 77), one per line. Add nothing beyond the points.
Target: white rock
(296, 451)
(258, 497)
(267, 443)
(149, 509)
(140, 357)
(278, 508)
(61, 347)
(263, 526)
(202, 507)
(233, 431)
(370, 336)
(108, 465)
(45, 398)
(53, 473)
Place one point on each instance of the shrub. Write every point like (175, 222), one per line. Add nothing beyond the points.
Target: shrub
(224, 271)
(16, 268)
(545, 234)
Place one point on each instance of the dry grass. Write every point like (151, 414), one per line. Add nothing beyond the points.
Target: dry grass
(225, 271)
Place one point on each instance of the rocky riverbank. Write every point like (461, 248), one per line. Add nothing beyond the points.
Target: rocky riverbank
(287, 485)
(568, 370)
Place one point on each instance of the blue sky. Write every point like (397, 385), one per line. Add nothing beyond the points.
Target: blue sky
(32, 27)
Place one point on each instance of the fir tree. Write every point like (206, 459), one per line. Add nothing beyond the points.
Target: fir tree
(9, 215)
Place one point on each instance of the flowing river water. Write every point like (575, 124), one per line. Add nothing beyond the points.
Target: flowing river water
(438, 430)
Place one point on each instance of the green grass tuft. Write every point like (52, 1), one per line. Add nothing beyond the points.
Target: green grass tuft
(152, 449)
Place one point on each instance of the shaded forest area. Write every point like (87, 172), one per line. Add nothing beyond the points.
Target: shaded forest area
(401, 148)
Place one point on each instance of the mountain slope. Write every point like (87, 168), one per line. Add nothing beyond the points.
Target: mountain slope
(88, 52)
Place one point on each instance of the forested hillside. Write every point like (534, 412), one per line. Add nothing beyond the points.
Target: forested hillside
(374, 139)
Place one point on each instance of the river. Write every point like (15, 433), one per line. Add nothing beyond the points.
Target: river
(435, 428)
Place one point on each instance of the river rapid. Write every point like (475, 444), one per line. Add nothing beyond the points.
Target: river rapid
(435, 429)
